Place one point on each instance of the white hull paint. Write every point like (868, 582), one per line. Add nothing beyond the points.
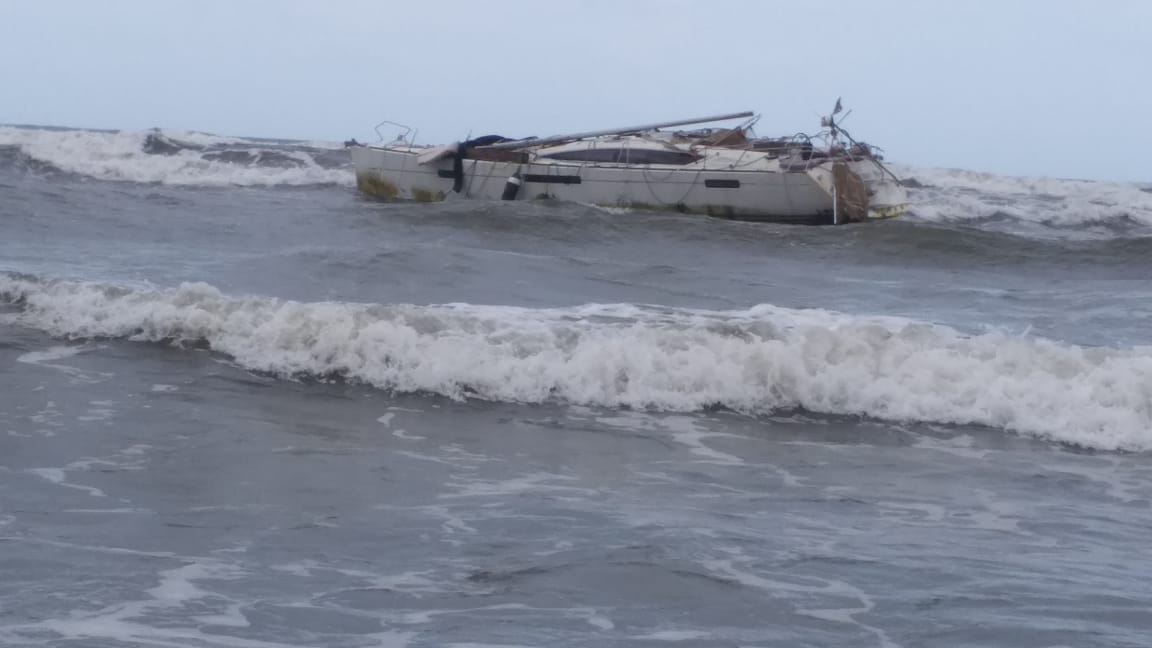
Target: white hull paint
(724, 182)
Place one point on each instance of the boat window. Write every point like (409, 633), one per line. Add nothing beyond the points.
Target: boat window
(586, 155)
(624, 155)
(651, 156)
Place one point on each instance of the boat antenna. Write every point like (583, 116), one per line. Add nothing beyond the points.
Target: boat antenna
(835, 130)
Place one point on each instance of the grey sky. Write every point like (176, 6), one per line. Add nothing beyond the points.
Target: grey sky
(1018, 87)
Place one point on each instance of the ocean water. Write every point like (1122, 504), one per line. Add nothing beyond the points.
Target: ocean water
(242, 406)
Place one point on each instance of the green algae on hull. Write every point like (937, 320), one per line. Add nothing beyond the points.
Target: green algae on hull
(375, 185)
(425, 195)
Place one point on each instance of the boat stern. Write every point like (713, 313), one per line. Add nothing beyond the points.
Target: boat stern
(860, 190)
(887, 198)
(394, 173)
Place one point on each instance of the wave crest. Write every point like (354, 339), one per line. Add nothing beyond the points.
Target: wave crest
(959, 196)
(755, 361)
(179, 158)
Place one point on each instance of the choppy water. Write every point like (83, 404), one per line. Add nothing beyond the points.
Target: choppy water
(243, 406)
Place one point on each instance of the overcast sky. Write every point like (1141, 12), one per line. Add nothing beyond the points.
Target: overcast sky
(1023, 87)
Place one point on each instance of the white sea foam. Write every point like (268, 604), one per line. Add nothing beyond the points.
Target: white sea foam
(533, 483)
(59, 477)
(186, 607)
(121, 156)
(687, 431)
(756, 360)
(48, 355)
(952, 195)
(673, 635)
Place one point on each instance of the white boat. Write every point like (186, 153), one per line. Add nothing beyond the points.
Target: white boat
(726, 172)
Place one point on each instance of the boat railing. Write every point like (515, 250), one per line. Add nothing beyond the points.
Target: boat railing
(401, 138)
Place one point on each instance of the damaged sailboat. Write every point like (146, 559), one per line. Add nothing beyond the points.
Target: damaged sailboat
(828, 178)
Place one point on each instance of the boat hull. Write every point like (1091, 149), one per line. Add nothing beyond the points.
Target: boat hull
(796, 197)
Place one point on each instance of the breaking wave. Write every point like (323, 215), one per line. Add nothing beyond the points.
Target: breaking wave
(176, 158)
(754, 361)
(1036, 205)
(958, 196)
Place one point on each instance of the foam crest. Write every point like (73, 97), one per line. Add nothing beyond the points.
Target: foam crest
(956, 195)
(176, 158)
(757, 360)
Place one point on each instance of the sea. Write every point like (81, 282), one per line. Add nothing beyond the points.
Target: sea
(243, 406)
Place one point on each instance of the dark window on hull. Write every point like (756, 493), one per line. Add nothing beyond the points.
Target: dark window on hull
(558, 179)
(722, 184)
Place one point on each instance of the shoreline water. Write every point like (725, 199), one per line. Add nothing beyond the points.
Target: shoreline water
(637, 453)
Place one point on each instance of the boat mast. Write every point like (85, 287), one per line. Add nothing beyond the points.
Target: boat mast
(554, 139)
